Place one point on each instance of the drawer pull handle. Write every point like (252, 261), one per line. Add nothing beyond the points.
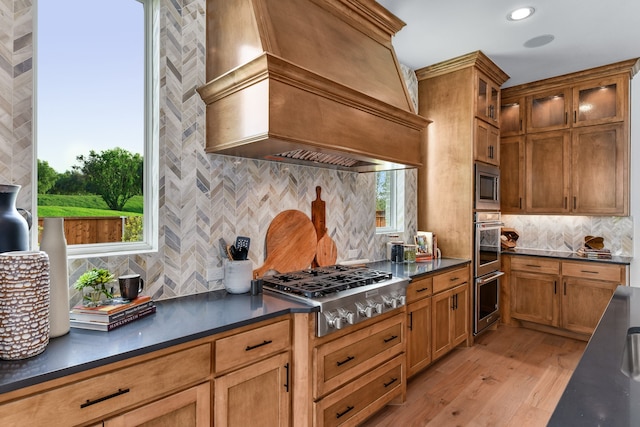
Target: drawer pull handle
(589, 271)
(453, 279)
(102, 399)
(253, 347)
(393, 380)
(348, 359)
(340, 414)
(422, 289)
(533, 265)
(393, 337)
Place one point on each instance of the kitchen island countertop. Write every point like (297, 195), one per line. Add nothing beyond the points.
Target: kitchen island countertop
(176, 321)
(599, 393)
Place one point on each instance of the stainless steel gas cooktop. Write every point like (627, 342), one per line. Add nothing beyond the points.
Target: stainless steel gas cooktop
(345, 295)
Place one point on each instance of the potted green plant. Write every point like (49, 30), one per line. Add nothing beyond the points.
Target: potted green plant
(94, 286)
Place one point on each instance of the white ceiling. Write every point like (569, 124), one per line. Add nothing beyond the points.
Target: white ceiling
(588, 33)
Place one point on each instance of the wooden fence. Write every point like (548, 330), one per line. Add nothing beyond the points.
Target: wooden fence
(83, 230)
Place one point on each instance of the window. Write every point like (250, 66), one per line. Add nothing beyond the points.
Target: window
(96, 92)
(388, 205)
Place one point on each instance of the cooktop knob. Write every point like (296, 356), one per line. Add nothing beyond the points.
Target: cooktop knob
(337, 323)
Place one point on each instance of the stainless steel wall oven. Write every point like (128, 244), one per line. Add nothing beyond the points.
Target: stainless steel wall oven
(486, 292)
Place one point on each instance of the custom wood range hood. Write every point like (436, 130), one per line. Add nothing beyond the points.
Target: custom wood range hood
(313, 82)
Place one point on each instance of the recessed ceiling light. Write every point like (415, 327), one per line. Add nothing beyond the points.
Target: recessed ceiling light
(520, 14)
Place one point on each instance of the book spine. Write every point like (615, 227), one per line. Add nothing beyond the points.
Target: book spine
(131, 318)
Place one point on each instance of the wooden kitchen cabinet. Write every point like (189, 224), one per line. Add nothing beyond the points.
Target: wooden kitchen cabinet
(450, 311)
(600, 170)
(191, 407)
(252, 377)
(418, 335)
(600, 101)
(577, 129)
(340, 361)
(128, 390)
(347, 375)
(462, 97)
(566, 297)
(450, 320)
(548, 110)
(487, 99)
(256, 395)
(512, 176)
(487, 143)
(512, 119)
(547, 166)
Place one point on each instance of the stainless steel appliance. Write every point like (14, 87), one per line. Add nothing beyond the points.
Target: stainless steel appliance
(486, 270)
(345, 295)
(487, 186)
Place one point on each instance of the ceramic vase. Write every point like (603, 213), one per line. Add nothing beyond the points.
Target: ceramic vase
(14, 230)
(54, 243)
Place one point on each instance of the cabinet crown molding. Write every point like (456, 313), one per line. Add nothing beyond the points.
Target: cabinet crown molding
(475, 59)
(629, 67)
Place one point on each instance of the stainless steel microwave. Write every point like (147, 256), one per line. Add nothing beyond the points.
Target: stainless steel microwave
(487, 184)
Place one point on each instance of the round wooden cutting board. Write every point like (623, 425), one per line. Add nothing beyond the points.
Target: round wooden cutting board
(326, 252)
(290, 243)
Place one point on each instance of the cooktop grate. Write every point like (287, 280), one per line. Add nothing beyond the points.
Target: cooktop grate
(319, 282)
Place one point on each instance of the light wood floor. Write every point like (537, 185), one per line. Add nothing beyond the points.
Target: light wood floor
(510, 377)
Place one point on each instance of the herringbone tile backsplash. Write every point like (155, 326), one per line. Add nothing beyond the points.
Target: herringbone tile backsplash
(205, 197)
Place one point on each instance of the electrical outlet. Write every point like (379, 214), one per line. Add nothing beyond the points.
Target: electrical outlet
(215, 273)
(353, 253)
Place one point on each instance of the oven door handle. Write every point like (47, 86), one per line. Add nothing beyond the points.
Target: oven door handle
(483, 280)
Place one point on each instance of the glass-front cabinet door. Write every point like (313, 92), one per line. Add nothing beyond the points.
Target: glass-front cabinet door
(488, 100)
(548, 110)
(600, 101)
(512, 117)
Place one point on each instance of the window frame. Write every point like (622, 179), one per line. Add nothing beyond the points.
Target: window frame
(151, 174)
(395, 206)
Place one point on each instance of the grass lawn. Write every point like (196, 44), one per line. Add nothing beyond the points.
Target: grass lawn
(54, 205)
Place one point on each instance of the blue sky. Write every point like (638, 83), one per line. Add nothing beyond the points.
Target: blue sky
(89, 72)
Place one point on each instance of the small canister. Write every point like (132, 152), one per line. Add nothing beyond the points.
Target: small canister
(410, 253)
(397, 253)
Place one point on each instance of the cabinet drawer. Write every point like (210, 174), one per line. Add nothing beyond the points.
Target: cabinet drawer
(593, 270)
(450, 279)
(535, 265)
(356, 401)
(110, 393)
(341, 360)
(419, 289)
(247, 347)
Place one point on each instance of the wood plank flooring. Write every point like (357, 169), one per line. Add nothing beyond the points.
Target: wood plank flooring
(511, 377)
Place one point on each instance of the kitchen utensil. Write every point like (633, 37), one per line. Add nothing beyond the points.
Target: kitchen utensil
(290, 243)
(224, 252)
(318, 214)
(326, 250)
(243, 242)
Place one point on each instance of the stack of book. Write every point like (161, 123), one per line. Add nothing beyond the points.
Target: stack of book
(109, 317)
(594, 253)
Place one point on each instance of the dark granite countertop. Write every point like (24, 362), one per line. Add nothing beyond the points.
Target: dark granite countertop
(416, 269)
(598, 393)
(176, 321)
(566, 256)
